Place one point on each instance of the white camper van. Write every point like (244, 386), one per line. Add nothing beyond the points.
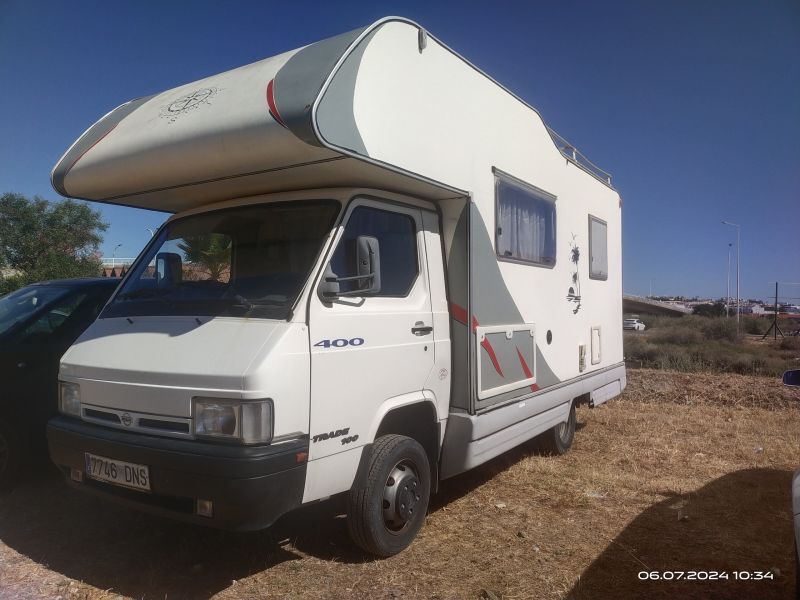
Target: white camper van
(383, 270)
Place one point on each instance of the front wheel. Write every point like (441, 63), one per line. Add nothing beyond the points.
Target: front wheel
(558, 440)
(388, 504)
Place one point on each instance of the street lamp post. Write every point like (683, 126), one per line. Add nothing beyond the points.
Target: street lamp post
(114, 256)
(728, 297)
(738, 255)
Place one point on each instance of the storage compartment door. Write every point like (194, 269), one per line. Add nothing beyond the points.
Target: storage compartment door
(596, 345)
(506, 358)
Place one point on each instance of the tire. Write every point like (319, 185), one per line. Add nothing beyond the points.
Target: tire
(10, 455)
(388, 503)
(558, 440)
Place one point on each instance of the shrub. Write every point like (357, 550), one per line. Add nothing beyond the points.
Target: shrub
(710, 310)
(639, 351)
(755, 325)
(720, 329)
(677, 335)
(790, 343)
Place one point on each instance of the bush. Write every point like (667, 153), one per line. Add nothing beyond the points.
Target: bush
(677, 335)
(640, 351)
(694, 343)
(790, 343)
(755, 325)
(710, 310)
(720, 329)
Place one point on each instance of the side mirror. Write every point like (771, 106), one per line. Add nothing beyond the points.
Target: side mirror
(367, 267)
(368, 259)
(792, 378)
(169, 269)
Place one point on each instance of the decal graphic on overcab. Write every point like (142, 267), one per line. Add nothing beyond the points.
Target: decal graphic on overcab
(187, 103)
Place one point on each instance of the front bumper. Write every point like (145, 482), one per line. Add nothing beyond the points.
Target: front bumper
(250, 486)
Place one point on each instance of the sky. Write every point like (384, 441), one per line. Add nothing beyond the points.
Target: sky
(692, 105)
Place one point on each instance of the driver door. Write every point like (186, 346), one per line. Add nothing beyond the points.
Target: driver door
(366, 350)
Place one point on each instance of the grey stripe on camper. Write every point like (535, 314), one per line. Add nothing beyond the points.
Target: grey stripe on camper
(91, 137)
(335, 118)
(299, 81)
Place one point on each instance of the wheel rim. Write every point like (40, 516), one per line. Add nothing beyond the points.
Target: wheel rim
(5, 452)
(401, 496)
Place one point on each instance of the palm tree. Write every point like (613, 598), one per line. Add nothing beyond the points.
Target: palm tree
(211, 252)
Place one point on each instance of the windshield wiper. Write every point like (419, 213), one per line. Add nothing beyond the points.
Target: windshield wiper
(243, 302)
(149, 295)
(142, 293)
(249, 305)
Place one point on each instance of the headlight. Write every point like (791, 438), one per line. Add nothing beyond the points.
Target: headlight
(69, 398)
(243, 421)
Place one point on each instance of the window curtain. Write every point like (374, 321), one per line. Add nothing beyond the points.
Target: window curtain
(525, 225)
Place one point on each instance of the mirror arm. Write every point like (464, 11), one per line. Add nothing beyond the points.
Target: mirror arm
(350, 293)
(339, 279)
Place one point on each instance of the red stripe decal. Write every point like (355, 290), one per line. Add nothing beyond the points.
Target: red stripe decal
(526, 369)
(459, 313)
(100, 139)
(273, 108)
(486, 345)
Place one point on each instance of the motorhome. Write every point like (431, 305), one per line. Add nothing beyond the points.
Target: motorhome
(383, 269)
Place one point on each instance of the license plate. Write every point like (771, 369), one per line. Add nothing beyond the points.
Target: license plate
(118, 472)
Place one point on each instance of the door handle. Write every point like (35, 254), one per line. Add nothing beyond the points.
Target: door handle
(421, 329)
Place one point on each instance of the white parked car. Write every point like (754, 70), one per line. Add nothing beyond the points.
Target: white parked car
(634, 324)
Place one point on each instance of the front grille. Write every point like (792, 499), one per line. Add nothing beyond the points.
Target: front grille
(179, 427)
(101, 414)
(164, 425)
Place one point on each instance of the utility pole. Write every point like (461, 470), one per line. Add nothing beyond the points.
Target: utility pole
(728, 297)
(738, 255)
(774, 327)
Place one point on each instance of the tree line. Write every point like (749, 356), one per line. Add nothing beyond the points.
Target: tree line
(41, 240)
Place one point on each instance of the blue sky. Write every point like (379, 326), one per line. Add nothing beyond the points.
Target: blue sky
(694, 106)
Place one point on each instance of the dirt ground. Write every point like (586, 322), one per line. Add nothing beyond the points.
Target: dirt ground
(684, 472)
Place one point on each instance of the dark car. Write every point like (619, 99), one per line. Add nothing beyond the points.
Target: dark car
(37, 325)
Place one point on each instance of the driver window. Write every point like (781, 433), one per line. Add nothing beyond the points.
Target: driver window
(52, 319)
(396, 233)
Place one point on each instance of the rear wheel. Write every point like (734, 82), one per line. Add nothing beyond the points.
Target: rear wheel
(558, 440)
(388, 504)
(10, 455)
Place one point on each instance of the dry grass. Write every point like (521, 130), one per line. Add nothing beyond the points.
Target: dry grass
(684, 472)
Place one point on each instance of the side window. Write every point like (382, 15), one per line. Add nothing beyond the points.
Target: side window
(598, 248)
(396, 233)
(52, 319)
(526, 222)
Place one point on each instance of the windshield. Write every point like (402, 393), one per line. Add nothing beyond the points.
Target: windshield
(249, 261)
(16, 307)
